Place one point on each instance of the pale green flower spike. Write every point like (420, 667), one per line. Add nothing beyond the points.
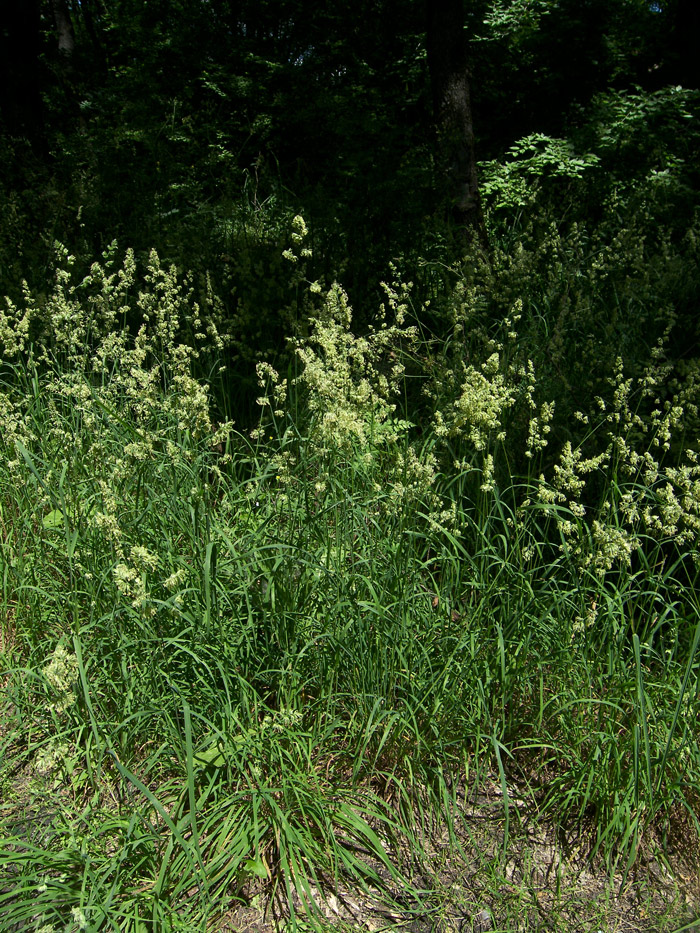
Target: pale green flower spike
(61, 674)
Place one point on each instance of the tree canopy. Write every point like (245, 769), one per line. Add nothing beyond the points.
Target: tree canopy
(151, 118)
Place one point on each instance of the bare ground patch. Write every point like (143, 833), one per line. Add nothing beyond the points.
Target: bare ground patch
(543, 880)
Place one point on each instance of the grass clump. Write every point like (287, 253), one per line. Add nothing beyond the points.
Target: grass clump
(236, 662)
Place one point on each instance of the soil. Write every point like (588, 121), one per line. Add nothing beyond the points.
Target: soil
(546, 881)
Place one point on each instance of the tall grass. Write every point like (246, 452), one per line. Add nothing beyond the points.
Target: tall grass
(235, 663)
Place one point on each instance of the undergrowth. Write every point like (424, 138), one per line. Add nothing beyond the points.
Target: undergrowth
(237, 662)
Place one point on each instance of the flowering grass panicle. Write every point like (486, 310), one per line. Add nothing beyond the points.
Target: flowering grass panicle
(61, 674)
(350, 382)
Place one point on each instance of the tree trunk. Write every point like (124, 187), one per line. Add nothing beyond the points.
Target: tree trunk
(89, 20)
(449, 78)
(64, 31)
(20, 84)
(684, 42)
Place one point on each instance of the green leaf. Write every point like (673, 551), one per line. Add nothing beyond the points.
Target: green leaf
(256, 867)
(210, 757)
(53, 520)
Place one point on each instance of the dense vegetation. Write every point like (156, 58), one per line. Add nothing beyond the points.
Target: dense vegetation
(326, 504)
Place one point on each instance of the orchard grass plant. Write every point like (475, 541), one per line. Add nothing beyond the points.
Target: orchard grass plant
(238, 664)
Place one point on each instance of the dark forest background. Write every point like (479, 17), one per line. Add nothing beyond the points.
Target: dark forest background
(200, 129)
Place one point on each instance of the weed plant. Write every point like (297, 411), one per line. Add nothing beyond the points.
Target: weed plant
(235, 663)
